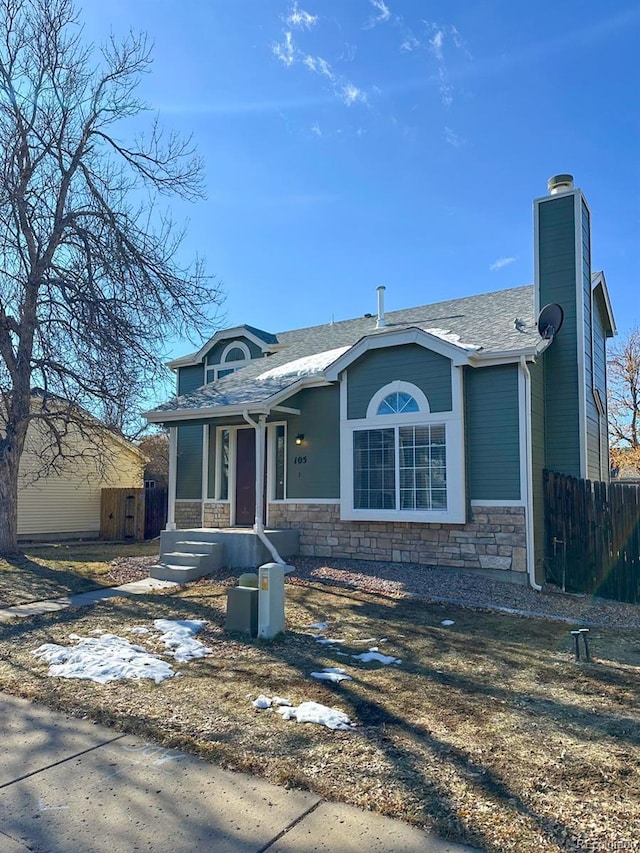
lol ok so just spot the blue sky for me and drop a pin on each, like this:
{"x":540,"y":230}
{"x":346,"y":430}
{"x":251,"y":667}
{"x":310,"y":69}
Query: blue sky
{"x":352,"y":143}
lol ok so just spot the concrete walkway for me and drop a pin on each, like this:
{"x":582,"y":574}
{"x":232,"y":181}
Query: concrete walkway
{"x":68,"y":786}
{"x":83,"y":599}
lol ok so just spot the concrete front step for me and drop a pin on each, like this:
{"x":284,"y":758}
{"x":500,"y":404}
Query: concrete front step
{"x":177,"y":574}
{"x":189,"y":561}
{"x":182,"y":558}
{"x":189,"y":547}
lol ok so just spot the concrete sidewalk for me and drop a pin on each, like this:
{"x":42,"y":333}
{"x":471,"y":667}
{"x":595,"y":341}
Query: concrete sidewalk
{"x":84,"y":599}
{"x":68,"y":786}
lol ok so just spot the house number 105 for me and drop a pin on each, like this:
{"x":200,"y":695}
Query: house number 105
{"x":300,"y":460}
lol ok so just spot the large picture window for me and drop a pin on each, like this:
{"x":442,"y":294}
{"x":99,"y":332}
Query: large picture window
{"x":405,"y":459}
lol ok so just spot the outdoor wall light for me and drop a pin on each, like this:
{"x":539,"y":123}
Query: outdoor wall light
{"x":299,"y":438}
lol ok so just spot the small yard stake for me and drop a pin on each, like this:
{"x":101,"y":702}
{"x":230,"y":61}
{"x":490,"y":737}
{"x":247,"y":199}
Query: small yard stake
{"x":576,"y":637}
{"x":584,"y":632}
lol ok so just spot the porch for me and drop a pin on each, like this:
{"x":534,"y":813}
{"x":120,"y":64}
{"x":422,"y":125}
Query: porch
{"x":188,"y":554}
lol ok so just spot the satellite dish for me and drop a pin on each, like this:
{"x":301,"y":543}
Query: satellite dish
{"x":550,"y":321}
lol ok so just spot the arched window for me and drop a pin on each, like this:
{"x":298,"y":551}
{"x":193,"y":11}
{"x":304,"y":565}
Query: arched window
{"x":234,"y":356}
{"x":397,"y":403}
{"x":400,"y":455}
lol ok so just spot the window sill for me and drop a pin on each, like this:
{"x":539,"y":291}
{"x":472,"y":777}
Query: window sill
{"x":416,"y":517}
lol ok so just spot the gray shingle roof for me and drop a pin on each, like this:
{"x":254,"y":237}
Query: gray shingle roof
{"x":486,"y":323}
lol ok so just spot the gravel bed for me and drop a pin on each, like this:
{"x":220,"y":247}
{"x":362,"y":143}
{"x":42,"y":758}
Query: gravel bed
{"x":467,"y":588}
{"x":452,"y":586}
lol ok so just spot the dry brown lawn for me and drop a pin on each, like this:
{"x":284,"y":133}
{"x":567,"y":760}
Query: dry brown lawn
{"x":53,"y":571}
{"x":488,"y":733}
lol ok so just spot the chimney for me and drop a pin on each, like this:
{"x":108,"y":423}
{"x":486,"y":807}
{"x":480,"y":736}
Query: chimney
{"x":380,"y":321}
{"x":560,"y":184}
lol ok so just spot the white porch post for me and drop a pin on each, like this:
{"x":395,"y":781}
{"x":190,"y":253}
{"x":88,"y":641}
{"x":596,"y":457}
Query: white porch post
{"x":173,"y":468}
{"x":260,"y":442}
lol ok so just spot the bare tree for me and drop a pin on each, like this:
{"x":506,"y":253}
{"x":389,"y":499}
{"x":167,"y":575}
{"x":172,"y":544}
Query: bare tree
{"x":624,"y":401}
{"x":91,"y":284}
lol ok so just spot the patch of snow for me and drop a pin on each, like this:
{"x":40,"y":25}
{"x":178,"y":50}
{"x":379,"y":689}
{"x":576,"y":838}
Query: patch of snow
{"x":138,"y":630}
{"x":304,"y":366}
{"x":263,"y":702}
{"x":328,"y":674}
{"x":450,"y":337}
{"x":314,"y":712}
{"x":108,"y":657}
{"x":319,"y":626}
{"x":447,"y":622}
{"x":367,"y":657}
{"x":103,"y":659}
{"x":178,"y":638}
{"x":324,"y":641}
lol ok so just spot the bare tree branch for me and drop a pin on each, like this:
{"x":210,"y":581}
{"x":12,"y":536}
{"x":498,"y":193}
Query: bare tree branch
{"x":91,"y":279}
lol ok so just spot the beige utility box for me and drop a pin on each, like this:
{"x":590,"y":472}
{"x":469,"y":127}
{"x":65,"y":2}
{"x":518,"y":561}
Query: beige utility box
{"x":271,"y":599}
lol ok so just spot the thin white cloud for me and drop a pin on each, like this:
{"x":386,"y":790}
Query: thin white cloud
{"x":500,"y":263}
{"x":300,"y":19}
{"x":445,"y":87}
{"x":454,"y":139}
{"x":285,"y":51}
{"x":315,"y":129}
{"x":410,"y":43}
{"x":384,"y":13}
{"x":351,"y":94}
{"x":436,"y":43}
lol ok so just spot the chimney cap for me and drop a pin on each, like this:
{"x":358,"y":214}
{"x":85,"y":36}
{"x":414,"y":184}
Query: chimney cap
{"x":560,"y":183}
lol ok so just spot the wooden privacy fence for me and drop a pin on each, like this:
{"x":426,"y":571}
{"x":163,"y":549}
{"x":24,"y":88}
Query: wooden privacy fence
{"x":122,"y":514}
{"x":592,"y":536}
{"x":155,"y":512}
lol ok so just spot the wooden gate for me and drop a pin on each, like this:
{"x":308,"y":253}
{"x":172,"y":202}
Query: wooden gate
{"x":592,"y":536}
{"x":122,"y":514}
{"x":155,"y":512}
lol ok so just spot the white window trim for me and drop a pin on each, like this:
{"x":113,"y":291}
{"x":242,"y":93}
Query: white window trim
{"x":223,"y":365}
{"x":271,"y":461}
{"x":399,"y":387}
{"x":454,"y":433}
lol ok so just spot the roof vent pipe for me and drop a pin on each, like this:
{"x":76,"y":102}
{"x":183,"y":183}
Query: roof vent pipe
{"x":381,"y":322}
{"x":560,"y":184}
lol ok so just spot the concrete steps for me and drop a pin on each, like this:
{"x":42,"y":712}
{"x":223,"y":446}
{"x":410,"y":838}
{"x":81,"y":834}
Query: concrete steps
{"x":190,"y":561}
{"x":187,"y":555}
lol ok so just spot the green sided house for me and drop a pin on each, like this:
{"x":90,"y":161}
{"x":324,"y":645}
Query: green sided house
{"x":418,"y":435}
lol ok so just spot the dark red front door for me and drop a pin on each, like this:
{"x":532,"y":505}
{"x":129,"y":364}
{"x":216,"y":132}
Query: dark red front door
{"x":245,"y":477}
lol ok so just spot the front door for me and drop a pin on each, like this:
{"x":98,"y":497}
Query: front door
{"x":245,"y":477}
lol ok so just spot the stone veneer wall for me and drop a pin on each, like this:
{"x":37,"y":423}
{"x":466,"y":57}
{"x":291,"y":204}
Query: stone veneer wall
{"x":188,"y":514}
{"x":493,"y":538}
{"x":217,"y":514}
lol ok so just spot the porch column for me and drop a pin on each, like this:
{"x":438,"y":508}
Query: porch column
{"x":260,"y":442}
{"x":173,"y":468}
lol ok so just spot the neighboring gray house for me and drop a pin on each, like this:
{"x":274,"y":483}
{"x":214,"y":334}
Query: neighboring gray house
{"x":419,"y":435}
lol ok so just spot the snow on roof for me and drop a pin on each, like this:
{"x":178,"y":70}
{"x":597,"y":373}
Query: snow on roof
{"x":304,"y":366}
{"x":451,"y":337}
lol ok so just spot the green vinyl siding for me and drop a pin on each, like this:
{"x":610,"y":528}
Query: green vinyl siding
{"x":600,"y":371}
{"x":492,"y":433}
{"x":430,"y":371}
{"x":313,"y":468}
{"x":189,"y":469}
{"x":215,"y":353}
{"x":537,"y":459}
{"x":190,"y":378}
{"x":557,"y":265}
